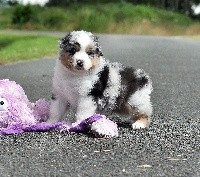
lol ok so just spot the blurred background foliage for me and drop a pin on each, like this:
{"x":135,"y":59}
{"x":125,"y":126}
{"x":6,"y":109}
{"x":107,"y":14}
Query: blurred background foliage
{"x":161,"y":17}
{"x":138,"y":17}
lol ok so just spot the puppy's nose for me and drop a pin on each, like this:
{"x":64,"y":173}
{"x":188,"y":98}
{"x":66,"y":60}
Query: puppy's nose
{"x":79,"y":63}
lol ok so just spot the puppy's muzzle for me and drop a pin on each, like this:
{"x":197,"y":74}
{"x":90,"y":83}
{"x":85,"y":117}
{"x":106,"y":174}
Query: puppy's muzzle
{"x":79,"y":64}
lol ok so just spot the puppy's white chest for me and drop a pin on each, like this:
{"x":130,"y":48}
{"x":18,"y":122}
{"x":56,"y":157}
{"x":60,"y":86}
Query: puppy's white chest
{"x":70,"y":91}
{"x":72,"y":88}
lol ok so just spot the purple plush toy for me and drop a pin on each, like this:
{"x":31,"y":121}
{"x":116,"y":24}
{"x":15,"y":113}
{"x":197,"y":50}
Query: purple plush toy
{"x":18,"y":115}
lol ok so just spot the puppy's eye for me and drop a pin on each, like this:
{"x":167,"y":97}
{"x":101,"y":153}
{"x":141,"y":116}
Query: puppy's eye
{"x":90,"y":52}
{"x":72,"y":50}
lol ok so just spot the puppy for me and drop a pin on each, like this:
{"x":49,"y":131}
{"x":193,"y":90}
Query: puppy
{"x":85,"y":81}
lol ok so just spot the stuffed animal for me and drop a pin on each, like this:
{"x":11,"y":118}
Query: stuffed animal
{"x":18,"y":115}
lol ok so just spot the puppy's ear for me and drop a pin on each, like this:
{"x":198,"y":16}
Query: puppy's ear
{"x":99,"y":52}
{"x":65,"y":41}
{"x":98,"y":47}
{"x":95,"y":38}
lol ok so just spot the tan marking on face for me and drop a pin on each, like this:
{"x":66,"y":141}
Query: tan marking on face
{"x":66,"y":60}
{"x":94,"y":58}
{"x":95,"y":61}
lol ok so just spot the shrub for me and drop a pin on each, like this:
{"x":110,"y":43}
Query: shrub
{"x":92,"y":19}
{"x":54,"y":18}
{"x":23,"y":14}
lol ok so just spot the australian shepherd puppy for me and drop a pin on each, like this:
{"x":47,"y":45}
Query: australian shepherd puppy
{"x":88,"y":83}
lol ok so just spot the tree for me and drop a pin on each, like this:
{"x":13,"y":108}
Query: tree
{"x":13,"y":2}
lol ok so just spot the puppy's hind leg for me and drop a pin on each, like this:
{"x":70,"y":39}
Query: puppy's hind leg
{"x":141,"y":109}
{"x":139,"y":119}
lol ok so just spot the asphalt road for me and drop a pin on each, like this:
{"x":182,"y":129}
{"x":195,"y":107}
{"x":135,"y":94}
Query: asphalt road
{"x":171,"y":145}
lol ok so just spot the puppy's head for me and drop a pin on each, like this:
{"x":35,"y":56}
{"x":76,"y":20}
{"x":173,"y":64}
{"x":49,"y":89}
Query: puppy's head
{"x":80,"y":51}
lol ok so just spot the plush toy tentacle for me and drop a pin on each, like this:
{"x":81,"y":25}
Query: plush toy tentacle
{"x":43,"y":127}
{"x":41,"y":110}
{"x":85,"y":125}
{"x":14,"y":129}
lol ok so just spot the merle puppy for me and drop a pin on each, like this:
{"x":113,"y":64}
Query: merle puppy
{"x":85,"y":81}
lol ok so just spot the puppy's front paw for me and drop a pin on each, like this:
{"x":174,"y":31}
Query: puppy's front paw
{"x":104,"y":128}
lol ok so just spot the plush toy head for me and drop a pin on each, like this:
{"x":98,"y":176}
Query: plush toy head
{"x":12,"y":88}
{"x":15,"y":107}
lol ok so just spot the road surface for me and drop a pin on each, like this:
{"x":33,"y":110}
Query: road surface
{"x":171,"y":145}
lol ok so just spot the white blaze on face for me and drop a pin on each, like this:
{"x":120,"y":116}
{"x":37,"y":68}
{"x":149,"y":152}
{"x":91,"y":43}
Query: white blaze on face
{"x":85,"y":40}
{"x":82,"y":55}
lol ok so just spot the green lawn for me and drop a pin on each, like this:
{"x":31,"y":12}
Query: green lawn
{"x":23,"y":47}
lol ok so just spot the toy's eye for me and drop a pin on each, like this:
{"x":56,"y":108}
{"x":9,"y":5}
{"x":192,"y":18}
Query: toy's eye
{"x":3,"y":104}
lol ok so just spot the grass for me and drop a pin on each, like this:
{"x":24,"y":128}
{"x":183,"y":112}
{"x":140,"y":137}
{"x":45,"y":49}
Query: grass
{"x":105,"y":18}
{"x":23,"y":47}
